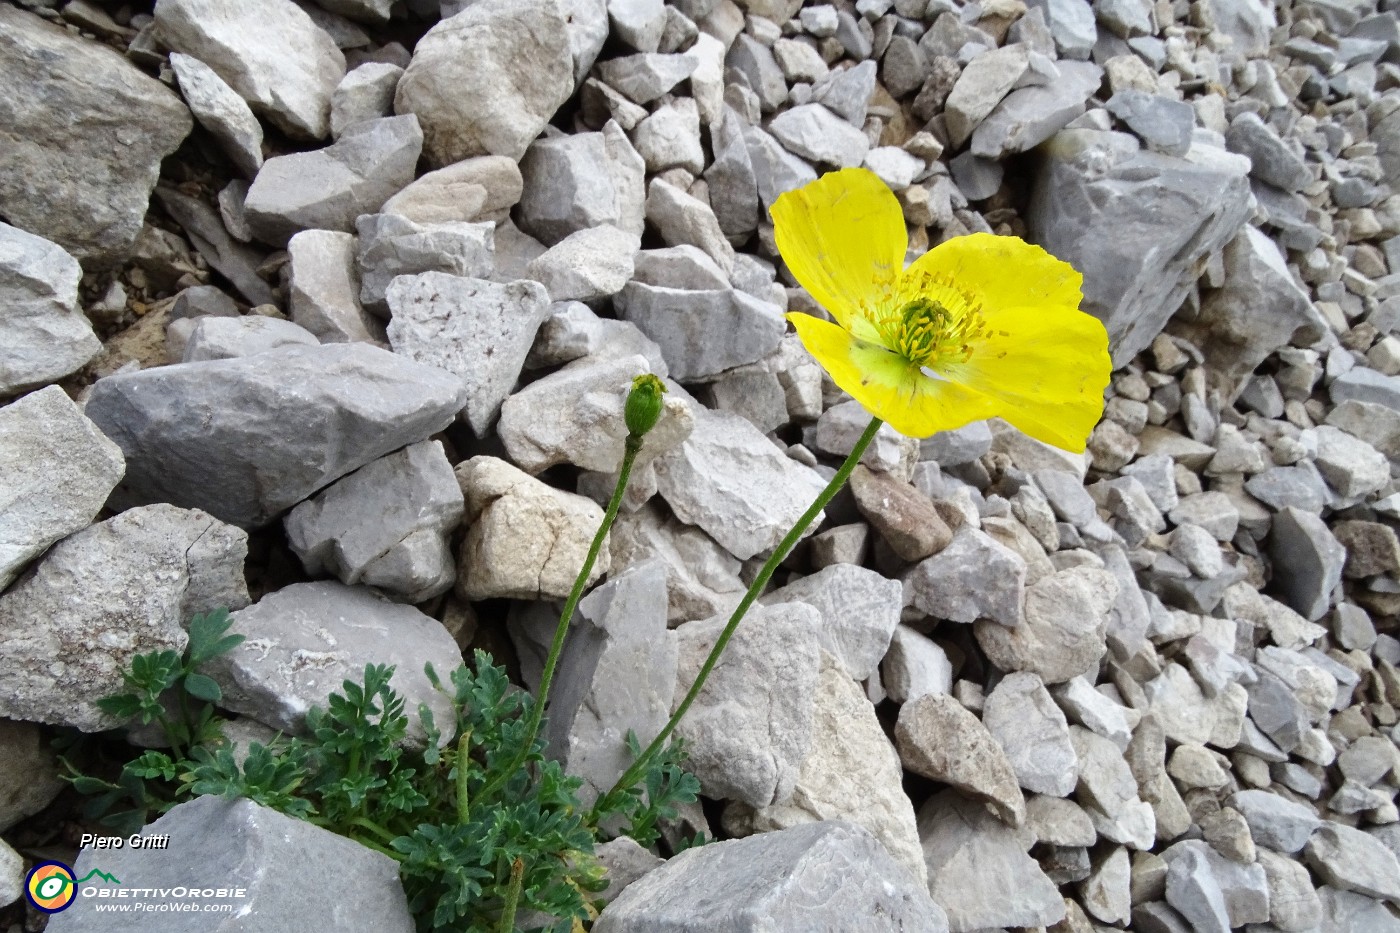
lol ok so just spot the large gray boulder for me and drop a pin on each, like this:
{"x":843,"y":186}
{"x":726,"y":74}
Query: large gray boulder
{"x":305,"y":640}
{"x":83,"y":131}
{"x":821,"y":876}
{"x":1135,"y":223}
{"x":270,"y":429}
{"x":272,"y":53}
{"x":294,"y":876}
{"x":487,"y":80}
{"x":123,"y":587}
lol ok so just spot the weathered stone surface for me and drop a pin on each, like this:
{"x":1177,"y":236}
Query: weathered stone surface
{"x":114,"y":590}
{"x":586,"y":265}
{"x":859,"y":609}
{"x":1293,"y":904}
{"x":565,"y":191}
{"x":1020,"y":714}
{"x":255,"y":848}
{"x":915,"y":665}
{"x":59,"y":470}
{"x":365,"y":93}
{"x":227,"y":338}
{"x":1028,"y":116}
{"x":732,"y":482}
{"x":487,"y":80}
{"x":82,"y":181}
{"x":681,"y":218}
{"x":221,"y":111}
{"x":766,"y":882}
{"x":1162,"y":123}
{"x":904,"y":517}
{"x":1135,"y":223}
{"x":1212,"y":892}
{"x":1351,"y":466}
{"x":324,"y":289}
{"x":575,"y":416}
{"x":702,"y":578}
{"x":326,"y":189}
{"x":476,"y":330}
{"x":646,"y":76}
{"x":1352,"y":860}
{"x":1258,"y":309}
{"x":305,"y":640}
{"x":44,"y":335}
{"x":526,"y":540}
{"x":283,"y":64}
{"x":974,"y":577}
{"x":572,"y":331}
{"x":338,"y":407}
{"x":814,"y":132}
{"x":939,"y":739}
{"x":477,"y":189}
{"x":1275,"y":821}
{"x":1062,"y":634}
{"x":391,"y":246}
{"x":617,"y":673}
{"x":29,"y":772}
{"x":981,"y":86}
{"x":1274,"y":162}
{"x":385,"y":525}
{"x":851,"y":773}
{"x":702,"y":333}
{"x":1308,"y":560}
{"x":969,"y":854}
{"x":751,"y":726}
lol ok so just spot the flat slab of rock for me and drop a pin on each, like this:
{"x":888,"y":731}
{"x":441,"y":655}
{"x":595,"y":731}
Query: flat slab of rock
{"x":527,"y":540}
{"x":283,"y":64}
{"x":1351,"y":860}
{"x":59,"y":470}
{"x":326,"y":189}
{"x":305,"y":640}
{"x":478,"y":331}
{"x":487,"y":80}
{"x":83,"y":181}
{"x":766,"y":882}
{"x":114,"y":590}
{"x":240,"y":844}
{"x":221,"y":111}
{"x":750,"y":727}
{"x":731,"y":481}
{"x":702,"y":333}
{"x":1023,"y":718}
{"x":272,"y":428}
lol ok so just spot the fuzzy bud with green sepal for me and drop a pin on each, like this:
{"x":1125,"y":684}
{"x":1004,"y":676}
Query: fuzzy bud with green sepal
{"x":644,"y":404}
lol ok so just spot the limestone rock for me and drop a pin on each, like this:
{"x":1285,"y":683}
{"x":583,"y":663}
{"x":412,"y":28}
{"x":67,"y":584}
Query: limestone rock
{"x":764,"y":882}
{"x":122,"y":587}
{"x":939,"y":739}
{"x":282,"y":63}
{"x":974,"y":577}
{"x":526,"y":540}
{"x":1023,"y":718}
{"x":385,"y":525}
{"x":221,"y":111}
{"x":478,"y":331}
{"x":859,"y":608}
{"x":476,"y":189}
{"x":1062,"y":634}
{"x":752,"y":724}
{"x":305,"y":640}
{"x":84,"y":180}
{"x":43,"y":334}
{"x":487,"y":80}
{"x":338,"y":406}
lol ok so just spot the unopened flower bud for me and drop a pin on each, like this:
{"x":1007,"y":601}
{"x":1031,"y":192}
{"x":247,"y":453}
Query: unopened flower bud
{"x":644,"y":404}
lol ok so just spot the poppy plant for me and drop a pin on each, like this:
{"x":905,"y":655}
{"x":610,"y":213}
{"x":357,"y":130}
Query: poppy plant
{"x":980,"y":326}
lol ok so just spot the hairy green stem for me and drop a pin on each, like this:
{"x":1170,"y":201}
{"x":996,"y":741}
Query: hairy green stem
{"x":634,"y":774}
{"x":463,"y":761}
{"x":517,"y":880}
{"x":634,"y":445}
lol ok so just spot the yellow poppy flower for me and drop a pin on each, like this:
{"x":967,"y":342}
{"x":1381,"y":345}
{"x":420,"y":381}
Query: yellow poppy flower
{"x":977,"y":327}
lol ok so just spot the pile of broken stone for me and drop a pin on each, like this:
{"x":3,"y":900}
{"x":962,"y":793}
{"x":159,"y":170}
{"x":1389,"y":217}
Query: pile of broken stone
{"x":1151,"y":686}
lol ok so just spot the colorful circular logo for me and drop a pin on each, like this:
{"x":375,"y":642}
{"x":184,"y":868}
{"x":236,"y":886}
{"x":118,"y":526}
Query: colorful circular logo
{"x":50,"y":887}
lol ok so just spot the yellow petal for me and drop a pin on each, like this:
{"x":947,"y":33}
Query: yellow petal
{"x":889,"y":386}
{"x":996,"y":273}
{"x":1046,"y":368}
{"x":843,"y":237}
